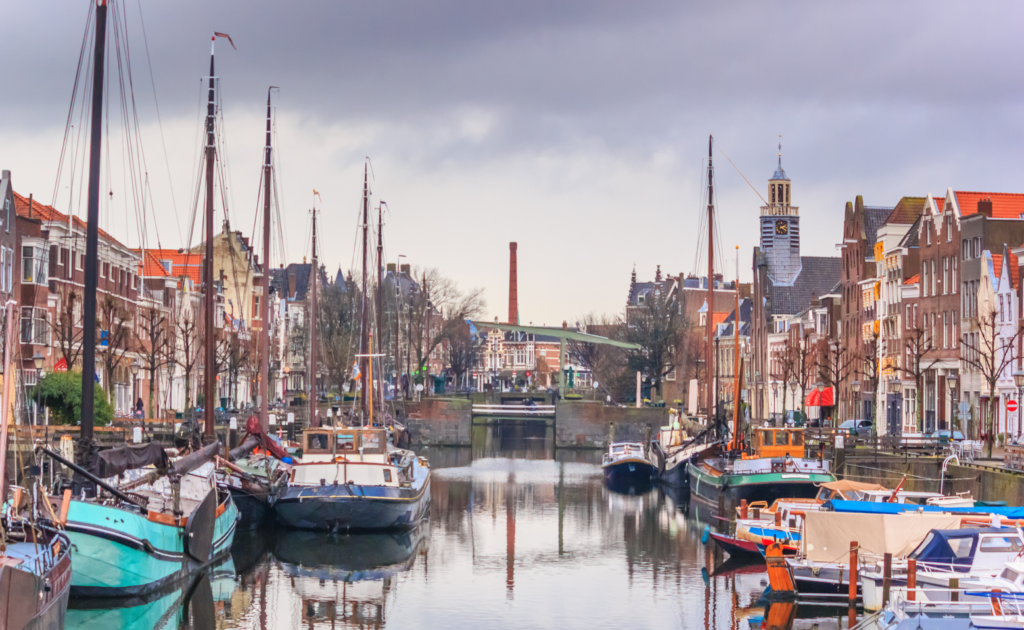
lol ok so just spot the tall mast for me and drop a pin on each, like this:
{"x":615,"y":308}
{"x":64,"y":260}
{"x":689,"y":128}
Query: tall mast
{"x":265,"y":287}
{"x":709,"y":321}
{"x":92,"y":233}
{"x":380,"y":281}
{"x":364,"y":337}
{"x":209,"y":297}
{"x":736,"y":360}
{"x":314,"y":420}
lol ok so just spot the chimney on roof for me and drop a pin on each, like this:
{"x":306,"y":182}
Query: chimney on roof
{"x":391,"y":267}
{"x":30,"y":205}
{"x":291,"y":283}
{"x":565,"y":325}
{"x":985,"y":207}
{"x":513,"y":289}
{"x":404,"y":269}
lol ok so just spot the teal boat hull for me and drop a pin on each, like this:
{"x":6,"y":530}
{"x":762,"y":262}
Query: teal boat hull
{"x":117,"y":552}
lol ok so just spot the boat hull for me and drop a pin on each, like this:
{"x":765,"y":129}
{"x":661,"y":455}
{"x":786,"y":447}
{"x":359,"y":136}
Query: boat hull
{"x":736,"y":547}
{"x":755,"y":487}
{"x":120,"y":553}
{"x":631,"y":470}
{"x":37,"y":600}
{"x":254,"y":511}
{"x":351,"y":507}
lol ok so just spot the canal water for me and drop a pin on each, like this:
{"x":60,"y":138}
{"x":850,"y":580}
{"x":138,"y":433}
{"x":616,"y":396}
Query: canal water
{"x":520,"y":536}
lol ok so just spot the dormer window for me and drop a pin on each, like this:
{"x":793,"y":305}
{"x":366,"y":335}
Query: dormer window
{"x":166,"y":264}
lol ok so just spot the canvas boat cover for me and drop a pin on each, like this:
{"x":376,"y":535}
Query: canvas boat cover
{"x":953,"y":548}
{"x":845,"y":485}
{"x":896,"y":508}
{"x":113,"y":462}
{"x":827,"y":535}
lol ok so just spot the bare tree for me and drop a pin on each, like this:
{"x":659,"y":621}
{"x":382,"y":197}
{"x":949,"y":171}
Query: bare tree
{"x":155,"y":349}
{"x":436,"y":310}
{"x":463,"y":350}
{"x":608,"y":364}
{"x":339,"y":331}
{"x":796,"y":364}
{"x":68,"y":330}
{"x":990,"y":354}
{"x":917,"y":348}
{"x":656,"y":327}
{"x":116,"y":320}
{"x":833,"y":363}
{"x":188,"y":352}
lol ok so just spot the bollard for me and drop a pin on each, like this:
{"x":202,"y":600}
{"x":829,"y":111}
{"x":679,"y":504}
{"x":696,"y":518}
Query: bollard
{"x":611,"y":433}
{"x":886,"y":578}
{"x":232,"y":433}
{"x":853,"y":572}
{"x":911,"y":580}
{"x":954,"y":586}
{"x":743,"y":509}
{"x":137,"y":435}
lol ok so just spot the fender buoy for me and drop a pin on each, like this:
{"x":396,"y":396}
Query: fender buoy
{"x":705,"y":535}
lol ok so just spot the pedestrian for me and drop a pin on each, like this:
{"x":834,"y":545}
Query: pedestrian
{"x":140,"y":409}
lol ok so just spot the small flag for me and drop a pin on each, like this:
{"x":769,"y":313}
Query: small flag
{"x":216,"y":34}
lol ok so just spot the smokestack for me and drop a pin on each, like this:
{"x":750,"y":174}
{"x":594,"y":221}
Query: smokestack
{"x":513,"y":289}
{"x":985,"y":207}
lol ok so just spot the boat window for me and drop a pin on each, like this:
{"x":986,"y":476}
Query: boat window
{"x":371,"y":442}
{"x":1001,"y":544}
{"x":346,"y":442}
{"x":924,"y":545}
{"x":766,"y":438}
{"x":781,"y":438}
{"x":317,"y":442}
{"x":1009,"y":574}
{"x":824,"y":494}
{"x":961,"y":547}
{"x":796,"y":438}
{"x":387,"y":475}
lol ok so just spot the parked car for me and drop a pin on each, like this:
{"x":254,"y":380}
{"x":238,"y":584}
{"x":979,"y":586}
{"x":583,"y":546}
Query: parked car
{"x":952,"y":436}
{"x":856,"y":427}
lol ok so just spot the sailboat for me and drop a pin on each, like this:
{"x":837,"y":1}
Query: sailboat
{"x":141,"y":521}
{"x":352,"y":478}
{"x":35,"y":560}
{"x":775,"y":465}
{"x":255,"y":478}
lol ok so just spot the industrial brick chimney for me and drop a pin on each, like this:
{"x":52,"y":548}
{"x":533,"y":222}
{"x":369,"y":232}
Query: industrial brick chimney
{"x":513,"y":289}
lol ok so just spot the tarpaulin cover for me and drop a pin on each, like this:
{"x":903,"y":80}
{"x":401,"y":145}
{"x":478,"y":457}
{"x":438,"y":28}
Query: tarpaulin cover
{"x":952,"y":548}
{"x":253,"y":428}
{"x":845,"y":485}
{"x":869,"y":507}
{"x":113,"y":462}
{"x":827,"y":535}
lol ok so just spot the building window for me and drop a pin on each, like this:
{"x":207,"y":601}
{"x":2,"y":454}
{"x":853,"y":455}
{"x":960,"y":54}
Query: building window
{"x":933,"y":279}
{"x":949,"y":229}
{"x":35,"y":264}
{"x":976,"y":248}
{"x":104,"y":270}
{"x":952,"y":284}
{"x":35,"y":326}
{"x":906,"y":324}
{"x":965,"y":249}
{"x":80,"y":259}
{"x":945,"y":329}
{"x":945,"y":275}
{"x":166,"y":264}
{"x":927,"y":234}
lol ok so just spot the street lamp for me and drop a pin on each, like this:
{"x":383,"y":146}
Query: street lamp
{"x":760,"y":397}
{"x":38,"y":361}
{"x":1018,"y":379}
{"x":792,"y":391}
{"x":951,"y":381}
{"x":855,"y":388}
{"x":135,"y":380}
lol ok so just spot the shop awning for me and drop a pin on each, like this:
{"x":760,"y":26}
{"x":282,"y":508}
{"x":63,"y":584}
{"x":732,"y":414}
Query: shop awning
{"x":824,"y":398}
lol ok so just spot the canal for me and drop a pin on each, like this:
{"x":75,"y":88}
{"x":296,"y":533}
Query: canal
{"x":520,"y":536}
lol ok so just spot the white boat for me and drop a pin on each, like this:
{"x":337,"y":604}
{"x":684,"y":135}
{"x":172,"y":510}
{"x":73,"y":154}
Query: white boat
{"x":628,"y":462}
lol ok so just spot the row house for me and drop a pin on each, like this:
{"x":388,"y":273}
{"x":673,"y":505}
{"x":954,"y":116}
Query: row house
{"x":894,"y":268}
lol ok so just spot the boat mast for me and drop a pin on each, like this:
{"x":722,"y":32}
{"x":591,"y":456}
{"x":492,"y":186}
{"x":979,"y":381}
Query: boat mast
{"x":364,"y":336}
{"x":265,"y":287}
{"x":209,"y":290}
{"x":92,"y":233}
{"x":5,"y":414}
{"x":709,"y":320}
{"x":314,"y":420}
{"x":380,"y":281}
{"x":736,"y":360}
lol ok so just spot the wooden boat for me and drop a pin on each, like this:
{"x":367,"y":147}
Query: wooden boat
{"x":628,"y":462}
{"x":778,"y":469}
{"x":352,"y":479}
{"x":254,"y":473}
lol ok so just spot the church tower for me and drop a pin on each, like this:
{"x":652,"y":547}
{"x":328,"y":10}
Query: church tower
{"x":780,"y":229}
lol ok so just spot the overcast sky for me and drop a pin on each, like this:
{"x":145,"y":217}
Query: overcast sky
{"x":576,"y":128}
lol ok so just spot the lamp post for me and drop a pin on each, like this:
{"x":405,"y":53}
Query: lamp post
{"x":170,"y":384}
{"x":952,"y":380}
{"x":792,"y":391}
{"x":775,"y":399}
{"x":38,"y":361}
{"x":1018,"y":380}
{"x":760,"y":398}
{"x":855,"y":388}
{"x":135,"y":382}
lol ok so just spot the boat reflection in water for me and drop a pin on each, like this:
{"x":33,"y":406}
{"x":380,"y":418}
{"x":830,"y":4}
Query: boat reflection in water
{"x":196,"y":602}
{"x":346,"y":578}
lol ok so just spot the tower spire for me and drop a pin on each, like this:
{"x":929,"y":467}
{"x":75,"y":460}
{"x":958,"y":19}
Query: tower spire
{"x":780,"y":151}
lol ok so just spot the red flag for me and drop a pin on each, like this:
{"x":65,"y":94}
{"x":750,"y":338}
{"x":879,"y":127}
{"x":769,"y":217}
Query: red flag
{"x":216,"y":34}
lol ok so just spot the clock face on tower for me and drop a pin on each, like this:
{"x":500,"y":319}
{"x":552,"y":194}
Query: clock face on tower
{"x":781,"y":227}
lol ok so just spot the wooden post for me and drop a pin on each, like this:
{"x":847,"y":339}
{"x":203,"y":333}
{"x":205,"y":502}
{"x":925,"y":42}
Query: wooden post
{"x":954,"y":586}
{"x":778,"y":517}
{"x":854,"y":547}
{"x":743,"y":509}
{"x":233,"y":433}
{"x":911,"y":580}
{"x":886,"y":578}
{"x":757,"y":514}
{"x":65,"y":505}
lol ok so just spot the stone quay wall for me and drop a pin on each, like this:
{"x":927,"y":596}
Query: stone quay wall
{"x":439,"y":421}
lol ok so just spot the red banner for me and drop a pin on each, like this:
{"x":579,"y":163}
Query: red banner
{"x":61,"y":366}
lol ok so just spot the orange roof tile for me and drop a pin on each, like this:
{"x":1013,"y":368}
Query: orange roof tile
{"x":48,"y":213}
{"x":719,"y":318}
{"x":914,"y":279}
{"x":997,"y":264}
{"x":182,"y":263}
{"x":1004,"y":205}
{"x":152,"y":267}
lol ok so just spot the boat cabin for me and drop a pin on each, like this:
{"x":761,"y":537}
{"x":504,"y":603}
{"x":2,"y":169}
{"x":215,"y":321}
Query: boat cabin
{"x":778,"y":442}
{"x":977,"y":551}
{"x":344,"y":455}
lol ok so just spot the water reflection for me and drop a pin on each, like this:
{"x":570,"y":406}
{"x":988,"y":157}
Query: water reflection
{"x":519,"y":536}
